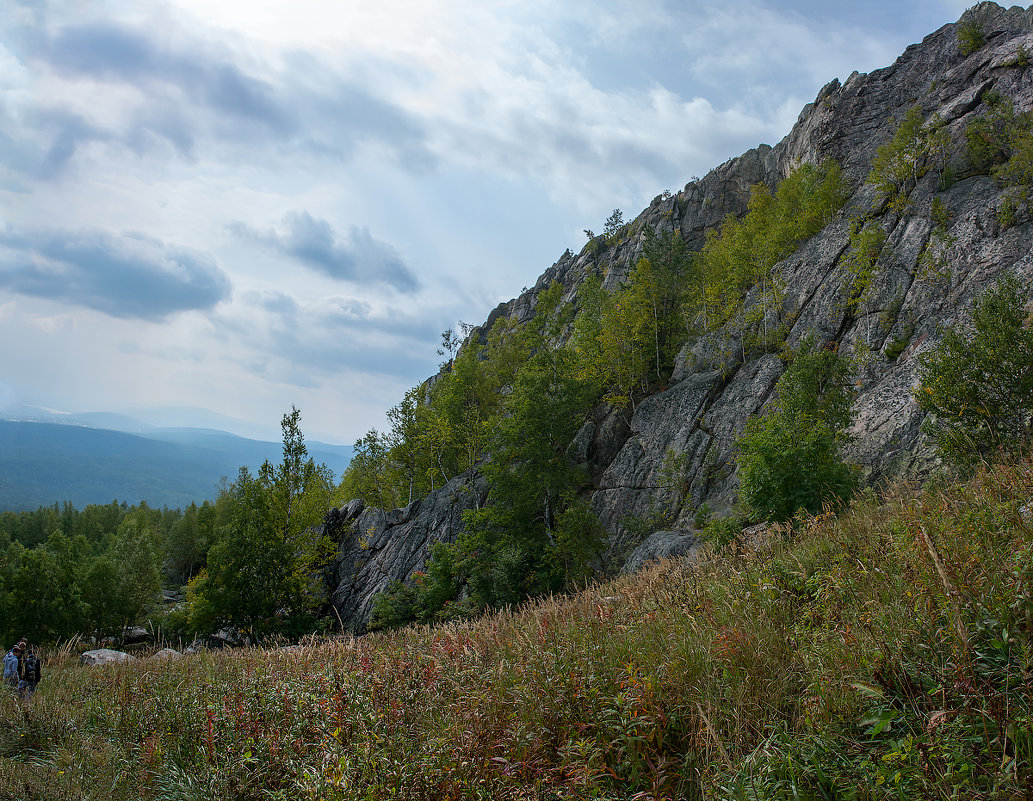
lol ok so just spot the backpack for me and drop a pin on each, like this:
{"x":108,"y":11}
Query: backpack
{"x":31,"y":667}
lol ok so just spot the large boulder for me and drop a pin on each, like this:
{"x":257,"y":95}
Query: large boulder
{"x":105,"y":656}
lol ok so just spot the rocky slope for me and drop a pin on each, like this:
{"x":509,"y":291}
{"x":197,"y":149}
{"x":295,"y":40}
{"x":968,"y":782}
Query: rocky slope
{"x":713,"y":389}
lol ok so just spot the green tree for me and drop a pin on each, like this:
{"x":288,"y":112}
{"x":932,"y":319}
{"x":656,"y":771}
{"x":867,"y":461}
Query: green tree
{"x":971,"y":37}
{"x":262,"y":573}
{"x":976,"y":386}
{"x":915,"y":147}
{"x":188,"y":541}
{"x":534,"y":535}
{"x":789,"y":458}
{"x":43,"y":599}
{"x":659,"y":281}
{"x":98,"y":581}
{"x":137,"y":555}
{"x":614,"y":225}
{"x":742,"y":254}
{"x":510,"y":548}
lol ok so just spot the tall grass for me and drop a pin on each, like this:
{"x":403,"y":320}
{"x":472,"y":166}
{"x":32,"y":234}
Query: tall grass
{"x":881,"y":654}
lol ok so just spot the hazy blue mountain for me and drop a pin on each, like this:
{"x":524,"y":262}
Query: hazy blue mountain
{"x":42,"y":463}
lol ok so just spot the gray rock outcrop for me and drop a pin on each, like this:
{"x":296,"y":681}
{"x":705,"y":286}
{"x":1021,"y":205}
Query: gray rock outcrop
{"x":662,"y":545}
{"x":105,"y":656}
{"x":377,"y":547}
{"x":924,"y":279}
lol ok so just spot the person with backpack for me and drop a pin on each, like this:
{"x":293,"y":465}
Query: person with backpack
{"x":12,"y":667}
{"x":30,"y":674}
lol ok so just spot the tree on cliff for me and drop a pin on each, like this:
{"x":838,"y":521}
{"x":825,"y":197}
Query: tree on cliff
{"x":261,"y":574}
{"x":789,"y":458}
{"x":976,"y":386}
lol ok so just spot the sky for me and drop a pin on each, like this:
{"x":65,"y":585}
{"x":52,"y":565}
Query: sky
{"x":212,"y":211}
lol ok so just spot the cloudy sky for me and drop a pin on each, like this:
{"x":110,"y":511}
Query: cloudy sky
{"x":225,"y":208}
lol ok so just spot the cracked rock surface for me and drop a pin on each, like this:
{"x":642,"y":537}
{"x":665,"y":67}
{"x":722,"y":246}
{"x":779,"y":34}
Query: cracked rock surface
{"x":715,"y":386}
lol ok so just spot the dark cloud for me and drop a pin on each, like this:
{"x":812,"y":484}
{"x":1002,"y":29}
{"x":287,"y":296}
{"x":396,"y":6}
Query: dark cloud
{"x":120,"y":54}
{"x":127,"y":276}
{"x":68,"y":132}
{"x":357,"y":257}
{"x":376,"y":349}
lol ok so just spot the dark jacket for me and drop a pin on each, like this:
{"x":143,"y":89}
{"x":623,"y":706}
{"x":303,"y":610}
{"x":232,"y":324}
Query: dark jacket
{"x":30,"y":668}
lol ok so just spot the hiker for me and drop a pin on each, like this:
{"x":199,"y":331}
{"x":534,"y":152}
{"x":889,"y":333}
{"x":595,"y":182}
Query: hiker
{"x":12,"y":667}
{"x":30,"y":674}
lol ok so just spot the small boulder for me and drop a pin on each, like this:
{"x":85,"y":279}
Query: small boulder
{"x":167,"y":653}
{"x":105,"y":656}
{"x":662,"y":545}
{"x":135,"y":634}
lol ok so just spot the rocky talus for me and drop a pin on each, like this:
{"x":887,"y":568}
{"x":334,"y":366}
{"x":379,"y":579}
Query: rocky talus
{"x":714,"y":389}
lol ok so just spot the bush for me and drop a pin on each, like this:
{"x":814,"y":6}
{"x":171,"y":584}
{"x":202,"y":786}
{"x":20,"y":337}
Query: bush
{"x":1000,"y":142}
{"x":789,"y":458}
{"x":897,"y":346}
{"x":971,"y":37}
{"x":900,"y":163}
{"x":976,"y":387}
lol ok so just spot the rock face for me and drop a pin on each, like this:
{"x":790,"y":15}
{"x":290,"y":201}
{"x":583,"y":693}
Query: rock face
{"x":380,"y":547}
{"x":662,"y":545}
{"x":692,"y":425}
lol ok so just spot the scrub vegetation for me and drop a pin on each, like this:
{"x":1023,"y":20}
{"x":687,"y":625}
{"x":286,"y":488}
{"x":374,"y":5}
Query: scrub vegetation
{"x":881,"y":653}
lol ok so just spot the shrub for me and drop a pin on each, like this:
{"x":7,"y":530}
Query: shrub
{"x":976,"y":387}
{"x":939,"y":214}
{"x":865,"y":246}
{"x":1022,"y":58}
{"x":1009,"y":211}
{"x":789,"y":458}
{"x":971,"y":37}
{"x":902,"y":161}
{"x":1000,"y":142}
{"x":897,"y":346}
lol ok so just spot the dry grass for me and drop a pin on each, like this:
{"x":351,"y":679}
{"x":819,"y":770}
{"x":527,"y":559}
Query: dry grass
{"x":881,"y":654}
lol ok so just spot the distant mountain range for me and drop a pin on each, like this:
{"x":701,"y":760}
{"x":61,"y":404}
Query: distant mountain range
{"x":44,"y":462}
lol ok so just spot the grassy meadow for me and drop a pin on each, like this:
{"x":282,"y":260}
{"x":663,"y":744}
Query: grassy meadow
{"x":883,"y":653}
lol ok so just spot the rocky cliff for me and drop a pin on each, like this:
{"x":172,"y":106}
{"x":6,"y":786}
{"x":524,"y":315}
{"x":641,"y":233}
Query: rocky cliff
{"x":714,"y":389}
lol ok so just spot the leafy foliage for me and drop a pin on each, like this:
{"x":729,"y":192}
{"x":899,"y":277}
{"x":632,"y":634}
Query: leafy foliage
{"x":971,"y":37}
{"x":1000,"y":141}
{"x":866,"y":243}
{"x":534,"y":535}
{"x":260,"y":574}
{"x":742,"y":254}
{"x":96,"y":571}
{"x":614,"y":226}
{"x":976,"y":386}
{"x":789,"y":457}
{"x":915,"y":147}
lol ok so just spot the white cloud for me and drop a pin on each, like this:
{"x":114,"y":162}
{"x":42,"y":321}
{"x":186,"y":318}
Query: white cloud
{"x":447,"y":148}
